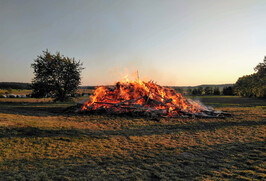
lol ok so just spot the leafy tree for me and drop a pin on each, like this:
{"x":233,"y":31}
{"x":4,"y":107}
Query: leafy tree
{"x":261,"y":67}
{"x":208,"y":90}
{"x":200,"y":91}
{"x":195,"y":91}
{"x":228,"y":90}
{"x":243,"y":86}
{"x":216,"y":91}
{"x":180,"y":90}
{"x":259,"y":88}
{"x":55,"y":75}
{"x":189,"y":91}
{"x":254,"y":84}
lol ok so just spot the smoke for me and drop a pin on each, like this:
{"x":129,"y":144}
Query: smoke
{"x":200,"y":105}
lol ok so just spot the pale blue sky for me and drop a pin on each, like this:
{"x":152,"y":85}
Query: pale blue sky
{"x":172,"y":42}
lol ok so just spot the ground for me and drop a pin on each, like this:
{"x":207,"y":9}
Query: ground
{"x":39,"y":141}
{"x":29,"y":91}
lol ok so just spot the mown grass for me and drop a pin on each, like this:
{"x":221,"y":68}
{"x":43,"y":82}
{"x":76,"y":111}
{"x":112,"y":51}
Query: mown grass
{"x":39,"y":141}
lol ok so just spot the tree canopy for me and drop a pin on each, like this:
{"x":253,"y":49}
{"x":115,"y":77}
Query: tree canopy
{"x":228,"y":91}
{"x":216,"y":91}
{"x":55,"y":75}
{"x":254,"y":84}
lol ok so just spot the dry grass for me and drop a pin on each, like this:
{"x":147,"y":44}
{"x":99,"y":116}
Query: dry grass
{"x":40,"y":142}
{"x":27,"y":91}
{"x":16,"y":91}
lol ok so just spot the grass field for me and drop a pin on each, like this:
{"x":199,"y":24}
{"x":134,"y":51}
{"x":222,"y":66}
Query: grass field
{"x":27,"y":91}
{"x":16,"y":91}
{"x":38,"y":141}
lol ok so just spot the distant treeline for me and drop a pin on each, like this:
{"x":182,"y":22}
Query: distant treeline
{"x":253,"y":85}
{"x":86,"y":87}
{"x":14,"y":85}
{"x":206,"y":90}
{"x":222,"y":89}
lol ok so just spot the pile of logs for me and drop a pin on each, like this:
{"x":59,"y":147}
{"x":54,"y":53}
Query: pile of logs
{"x":145,"y":99}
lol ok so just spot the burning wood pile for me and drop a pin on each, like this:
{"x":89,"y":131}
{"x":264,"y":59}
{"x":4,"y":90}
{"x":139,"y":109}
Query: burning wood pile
{"x":139,"y":98}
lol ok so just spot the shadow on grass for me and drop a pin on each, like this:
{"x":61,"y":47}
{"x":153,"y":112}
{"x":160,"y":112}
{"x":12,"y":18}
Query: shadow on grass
{"x":34,"y":109}
{"x":140,"y":131}
{"x":227,"y":161}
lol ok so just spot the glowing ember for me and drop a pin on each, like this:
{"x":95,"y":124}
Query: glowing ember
{"x":144,"y":98}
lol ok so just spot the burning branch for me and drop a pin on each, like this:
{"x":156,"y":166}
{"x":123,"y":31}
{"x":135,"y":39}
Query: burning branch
{"x":144,"y":98}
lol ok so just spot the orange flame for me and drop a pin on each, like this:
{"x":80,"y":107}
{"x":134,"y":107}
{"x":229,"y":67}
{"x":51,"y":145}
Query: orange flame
{"x":139,"y":95}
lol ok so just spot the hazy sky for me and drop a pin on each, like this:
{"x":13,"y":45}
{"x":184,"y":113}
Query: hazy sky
{"x":171,"y":42}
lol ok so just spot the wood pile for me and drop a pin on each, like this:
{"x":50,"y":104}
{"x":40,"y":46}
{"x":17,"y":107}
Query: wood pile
{"x":139,"y":98}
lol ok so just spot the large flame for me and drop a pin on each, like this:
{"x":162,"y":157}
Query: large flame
{"x":139,"y":96}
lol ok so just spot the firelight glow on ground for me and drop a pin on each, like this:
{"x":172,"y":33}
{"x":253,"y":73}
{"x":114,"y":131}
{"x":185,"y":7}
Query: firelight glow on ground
{"x":173,"y":42}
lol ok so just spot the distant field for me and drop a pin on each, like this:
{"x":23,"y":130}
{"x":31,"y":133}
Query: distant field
{"x":16,"y":91}
{"x":231,"y":101}
{"x":35,"y":100}
{"x":88,"y":91}
{"x":38,"y":141}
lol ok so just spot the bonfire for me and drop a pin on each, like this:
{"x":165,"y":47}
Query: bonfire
{"x":145,"y":99}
